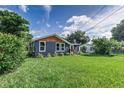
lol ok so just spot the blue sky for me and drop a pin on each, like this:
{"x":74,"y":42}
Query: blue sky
{"x":63,"y":20}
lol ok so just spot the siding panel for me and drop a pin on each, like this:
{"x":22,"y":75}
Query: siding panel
{"x":50,"y":48}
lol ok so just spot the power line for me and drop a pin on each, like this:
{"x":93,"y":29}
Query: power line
{"x":95,"y":14}
{"x":99,"y":10}
{"x":104,"y":18}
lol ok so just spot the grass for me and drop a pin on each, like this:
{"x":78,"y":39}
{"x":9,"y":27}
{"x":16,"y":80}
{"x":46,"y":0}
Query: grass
{"x":68,"y":71}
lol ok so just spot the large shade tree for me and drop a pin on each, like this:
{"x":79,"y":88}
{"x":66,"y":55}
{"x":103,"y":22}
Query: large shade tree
{"x":118,"y":31}
{"x":12,"y":23}
{"x":78,"y":37}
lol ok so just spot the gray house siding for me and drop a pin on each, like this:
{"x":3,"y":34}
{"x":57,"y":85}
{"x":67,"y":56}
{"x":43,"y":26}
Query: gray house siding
{"x":50,"y":48}
{"x":67,"y":48}
{"x":36,"y":47}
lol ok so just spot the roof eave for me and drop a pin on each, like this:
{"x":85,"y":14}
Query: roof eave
{"x":53,"y":35}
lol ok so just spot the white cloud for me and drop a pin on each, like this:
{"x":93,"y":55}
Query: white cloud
{"x":24,"y":8}
{"x":48,"y":9}
{"x":60,"y":26}
{"x":78,"y":20}
{"x":103,"y":29}
{"x":38,"y":33}
{"x":48,"y":25}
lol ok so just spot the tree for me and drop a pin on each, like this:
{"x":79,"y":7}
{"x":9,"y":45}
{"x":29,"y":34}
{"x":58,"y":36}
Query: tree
{"x":118,"y":47}
{"x":78,"y":37}
{"x":11,"y":22}
{"x":118,"y":31}
{"x":103,"y":46}
{"x":14,"y":38}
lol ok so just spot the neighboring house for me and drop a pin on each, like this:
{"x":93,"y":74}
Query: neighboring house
{"x":52,"y":44}
{"x":88,"y":48}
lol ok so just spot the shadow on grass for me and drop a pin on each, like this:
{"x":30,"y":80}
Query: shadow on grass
{"x":12,"y":70}
{"x":98,"y":55}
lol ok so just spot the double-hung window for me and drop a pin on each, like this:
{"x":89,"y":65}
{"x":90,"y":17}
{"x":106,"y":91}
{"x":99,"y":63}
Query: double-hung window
{"x":42,"y":47}
{"x":60,"y":47}
{"x":57,"y":47}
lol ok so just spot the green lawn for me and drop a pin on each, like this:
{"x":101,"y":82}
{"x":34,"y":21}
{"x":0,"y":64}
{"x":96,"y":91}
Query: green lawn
{"x":68,"y":71}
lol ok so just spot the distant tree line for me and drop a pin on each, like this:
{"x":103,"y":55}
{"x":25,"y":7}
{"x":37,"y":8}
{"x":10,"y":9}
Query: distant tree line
{"x":102,"y":45}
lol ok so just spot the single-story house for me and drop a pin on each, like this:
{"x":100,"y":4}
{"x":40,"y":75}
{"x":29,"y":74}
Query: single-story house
{"x":52,"y":44}
{"x":88,"y":48}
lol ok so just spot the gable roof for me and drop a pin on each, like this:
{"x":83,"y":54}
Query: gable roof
{"x":55,"y":36}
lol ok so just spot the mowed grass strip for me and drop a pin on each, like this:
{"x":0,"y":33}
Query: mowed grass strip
{"x":67,"y":72}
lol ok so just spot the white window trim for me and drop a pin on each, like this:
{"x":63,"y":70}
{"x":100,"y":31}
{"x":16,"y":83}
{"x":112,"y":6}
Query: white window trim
{"x":44,"y":47}
{"x":60,"y":47}
{"x":64,"y":47}
{"x":56,"y":47}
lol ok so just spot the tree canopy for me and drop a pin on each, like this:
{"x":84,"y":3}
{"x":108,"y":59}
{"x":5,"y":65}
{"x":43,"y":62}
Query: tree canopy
{"x":11,"y":22}
{"x":118,"y":31}
{"x":103,"y":45}
{"x":78,"y":37}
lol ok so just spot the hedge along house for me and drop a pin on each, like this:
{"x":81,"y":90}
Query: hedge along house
{"x":53,"y":44}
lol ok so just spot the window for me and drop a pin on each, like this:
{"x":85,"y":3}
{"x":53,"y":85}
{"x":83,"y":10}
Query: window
{"x":91,"y":48}
{"x":57,"y":46}
{"x":60,"y":47}
{"x":42,"y":46}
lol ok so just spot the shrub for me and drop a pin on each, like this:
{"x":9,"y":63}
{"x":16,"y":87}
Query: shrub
{"x":83,"y":49}
{"x":67,"y":54}
{"x":81,"y":53}
{"x":49,"y":55}
{"x":31,"y":54}
{"x":61,"y":54}
{"x":12,"y":52}
{"x":56,"y":54}
{"x":71,"y":53}
{"x":103,"y":46}
{"x":40,"y":56}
